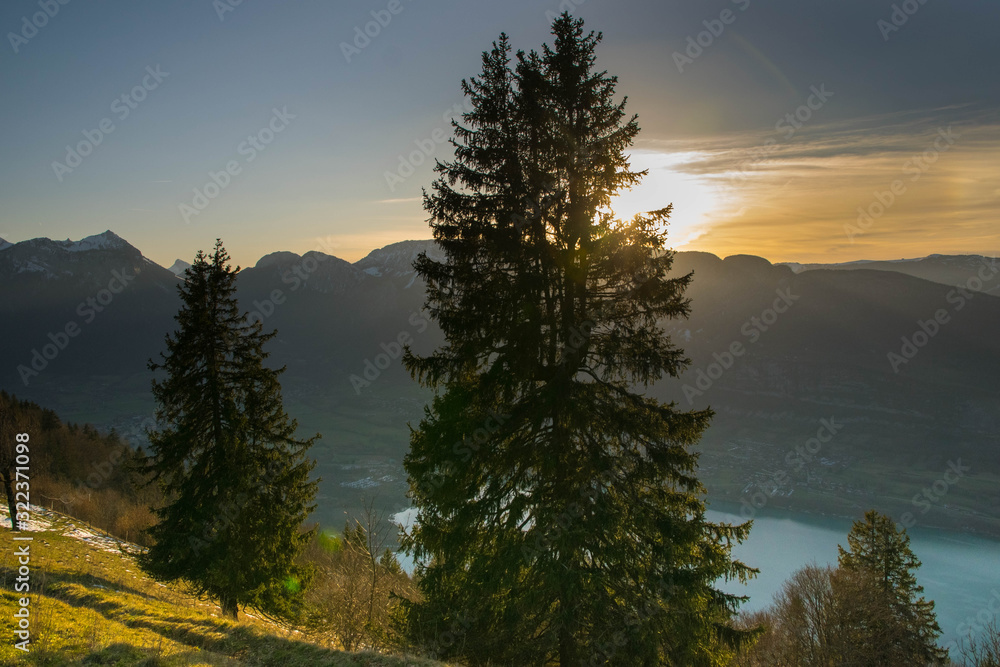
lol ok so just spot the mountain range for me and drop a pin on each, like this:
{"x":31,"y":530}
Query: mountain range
{"x":945,"y":269}
{"x":836,"y":388}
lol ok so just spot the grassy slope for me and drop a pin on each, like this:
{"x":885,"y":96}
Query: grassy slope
{"x":91,"y":605}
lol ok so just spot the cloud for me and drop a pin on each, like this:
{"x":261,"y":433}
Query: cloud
{"x":405,"y":200}
{"x":799,"y":198}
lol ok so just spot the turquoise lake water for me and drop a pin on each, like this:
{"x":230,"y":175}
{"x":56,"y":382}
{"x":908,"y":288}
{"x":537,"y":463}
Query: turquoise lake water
{"x":960,"y":572}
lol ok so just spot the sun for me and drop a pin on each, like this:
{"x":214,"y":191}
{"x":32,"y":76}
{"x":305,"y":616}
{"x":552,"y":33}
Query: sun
{"x":696,"y":198}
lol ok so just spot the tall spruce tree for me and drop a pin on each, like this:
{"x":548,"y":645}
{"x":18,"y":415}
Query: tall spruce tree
{"x":907,"y":630}
{"x":560,"y":518}
{"x":226,"y":456}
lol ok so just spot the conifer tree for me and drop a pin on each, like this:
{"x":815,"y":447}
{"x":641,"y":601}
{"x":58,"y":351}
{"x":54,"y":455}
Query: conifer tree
{"x":909,"y":635}
{"x":226,"y":456}
{"x":560,"y":517}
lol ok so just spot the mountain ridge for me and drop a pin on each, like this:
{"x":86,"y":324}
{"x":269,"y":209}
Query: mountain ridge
{"x":907,"y":364}
{"x":954,"y":270}
{"x":395,"y":259}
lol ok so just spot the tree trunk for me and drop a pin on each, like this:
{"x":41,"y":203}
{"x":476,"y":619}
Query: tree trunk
{"x":567,"y":647}
{"x":229,"y":607}
{"x":8,"y":486}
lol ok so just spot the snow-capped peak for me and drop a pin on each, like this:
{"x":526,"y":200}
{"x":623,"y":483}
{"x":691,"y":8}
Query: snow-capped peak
{"x":106,"y":241}
{"x":58,"y":259}
{"x":397,"y":259}
{"x":179,"y":267}
{"x":5,"y":244}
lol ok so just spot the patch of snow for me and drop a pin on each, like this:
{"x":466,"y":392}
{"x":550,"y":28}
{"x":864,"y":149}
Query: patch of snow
{"x":96,"y":540}
{"x":32,"y":267}
{"x":39,"y":519}
{"x":366,"y":483}
{"x":396,"y":259}
{"x":106,"y":241}
{"x":43,"y":520}
{"x":179,"y":267}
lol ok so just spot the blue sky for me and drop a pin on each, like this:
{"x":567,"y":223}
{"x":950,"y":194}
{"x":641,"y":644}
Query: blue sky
{"x":709,"y":123}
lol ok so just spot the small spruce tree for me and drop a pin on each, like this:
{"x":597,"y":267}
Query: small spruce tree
{"x":235,"y":477}
{"x":907,"y":629}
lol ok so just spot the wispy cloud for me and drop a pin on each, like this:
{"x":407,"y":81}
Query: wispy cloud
{"x":405,"y":200}
{"x":802,"y":198}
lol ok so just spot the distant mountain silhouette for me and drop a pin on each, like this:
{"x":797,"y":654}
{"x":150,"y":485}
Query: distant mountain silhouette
{"x":119,"y":299}
{"x":955,"y":270}
{"x":814,"y":343}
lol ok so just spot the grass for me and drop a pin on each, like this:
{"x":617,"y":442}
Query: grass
{"x":93,"y":606}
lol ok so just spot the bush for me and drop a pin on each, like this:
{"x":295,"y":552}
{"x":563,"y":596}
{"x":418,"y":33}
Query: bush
{"x":354,"y":596}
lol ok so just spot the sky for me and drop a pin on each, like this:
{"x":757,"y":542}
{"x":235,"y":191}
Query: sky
{"x":797,"y":130}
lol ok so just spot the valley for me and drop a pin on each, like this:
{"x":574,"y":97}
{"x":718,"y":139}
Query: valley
{"x":820,"y":358}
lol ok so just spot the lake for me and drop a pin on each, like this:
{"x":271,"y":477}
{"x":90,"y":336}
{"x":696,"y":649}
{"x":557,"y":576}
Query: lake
{"x":960,"y":572}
